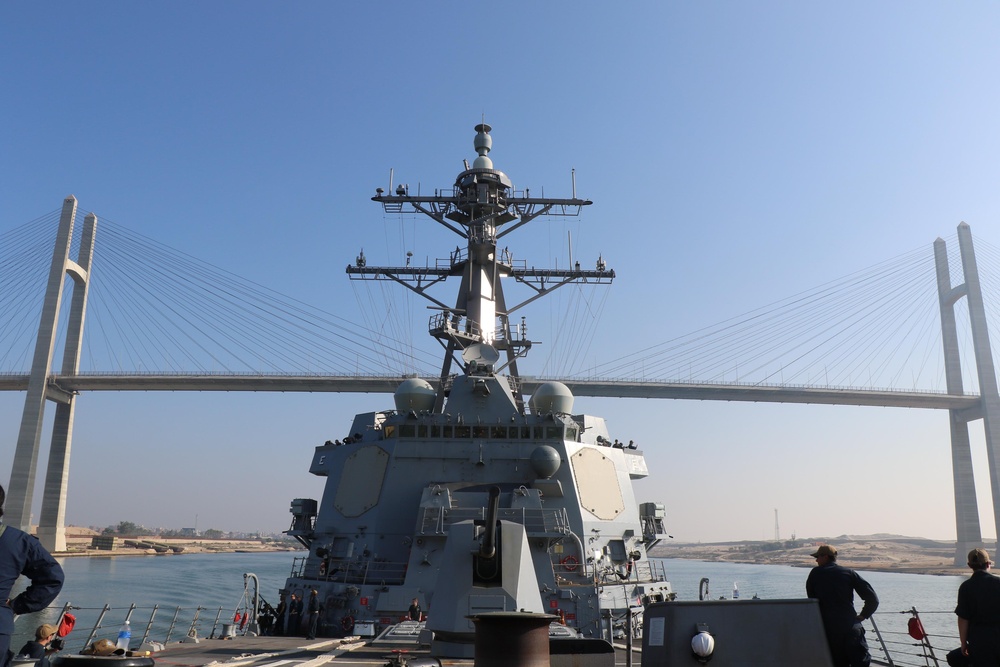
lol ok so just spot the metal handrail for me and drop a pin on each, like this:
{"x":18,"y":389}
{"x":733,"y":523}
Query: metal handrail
{"x":95,"y":623}
{"x":881,"y":641}
{"x":908,"y":650}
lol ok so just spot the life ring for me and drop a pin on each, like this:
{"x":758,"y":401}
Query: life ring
{"x":570,"y":563}
{"x":347,"y":623}
{"x":322,"y":568}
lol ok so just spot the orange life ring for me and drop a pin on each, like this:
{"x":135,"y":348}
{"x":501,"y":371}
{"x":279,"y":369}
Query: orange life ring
{"x":570,"y":563}
{"x":347,"y":623}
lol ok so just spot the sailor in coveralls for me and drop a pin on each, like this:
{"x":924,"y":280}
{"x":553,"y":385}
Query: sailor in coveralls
{"x":978,"y":612}
{"x":21,"y":553}
{"x":834,"y":586}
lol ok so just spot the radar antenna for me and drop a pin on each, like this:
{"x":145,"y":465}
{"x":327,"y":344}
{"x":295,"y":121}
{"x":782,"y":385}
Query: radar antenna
{"x":482,"y":207}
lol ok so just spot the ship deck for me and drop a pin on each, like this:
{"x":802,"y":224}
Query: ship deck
{"x":296,"y":651}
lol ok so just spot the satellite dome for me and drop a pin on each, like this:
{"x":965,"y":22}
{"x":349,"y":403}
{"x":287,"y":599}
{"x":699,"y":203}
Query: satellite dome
{"x":414,"y":394}
{"x":545,"y":461}
{"x":552,"y":397}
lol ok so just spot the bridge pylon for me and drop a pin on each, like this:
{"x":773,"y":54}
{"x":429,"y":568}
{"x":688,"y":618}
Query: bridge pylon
{"x":969,"y":535}
{"x":51,"y":525}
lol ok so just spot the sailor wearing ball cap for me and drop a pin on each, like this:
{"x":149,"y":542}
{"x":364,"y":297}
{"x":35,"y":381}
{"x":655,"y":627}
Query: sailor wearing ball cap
{"x":40,"y":648}
{"x":978,"y":611}
{"x":834,"y":587}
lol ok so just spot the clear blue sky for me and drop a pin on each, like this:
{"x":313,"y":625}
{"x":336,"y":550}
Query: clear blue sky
{"x":736,"y":153}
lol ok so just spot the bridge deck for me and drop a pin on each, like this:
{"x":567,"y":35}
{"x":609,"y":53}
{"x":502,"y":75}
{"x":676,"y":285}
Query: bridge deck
{"x":364,"y":384}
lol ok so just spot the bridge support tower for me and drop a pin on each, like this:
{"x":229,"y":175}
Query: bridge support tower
{"x":51,"y":525}
{"x":969,"y":535}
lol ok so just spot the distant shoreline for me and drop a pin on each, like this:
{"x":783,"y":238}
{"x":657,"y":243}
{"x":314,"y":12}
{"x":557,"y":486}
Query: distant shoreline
{"x":866,"y":567}
{"x":79,"y":546}
{"x":875,"y":553}
{"x":128,"y":553}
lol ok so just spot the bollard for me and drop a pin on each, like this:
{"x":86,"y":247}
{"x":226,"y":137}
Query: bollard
{"x":512,"y":639}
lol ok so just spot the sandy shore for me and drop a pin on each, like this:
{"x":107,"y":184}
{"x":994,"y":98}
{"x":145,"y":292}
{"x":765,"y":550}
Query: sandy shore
{"x":78,"y":543}
{"x":886,"y":553}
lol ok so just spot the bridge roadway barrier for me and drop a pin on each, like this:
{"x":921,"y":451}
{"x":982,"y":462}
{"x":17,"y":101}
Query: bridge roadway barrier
{"x":597,"y":388}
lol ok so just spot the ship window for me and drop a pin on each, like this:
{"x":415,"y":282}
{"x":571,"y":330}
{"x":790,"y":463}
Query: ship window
{"x":462,"y":431}
{"x":406,"y":431}
{"x":539,"y":432}
{"x":554,"y":432}
{"x":390,"y":431}
{"x":480,"y":431}
{"x":513,"y":432}
{"x":571,"y":433}
{"x":446,"y":431}
{"x":525,"y":433}
{"x":422,"y":430}
{"x":498,"y":432}
{"x":435,"y":431}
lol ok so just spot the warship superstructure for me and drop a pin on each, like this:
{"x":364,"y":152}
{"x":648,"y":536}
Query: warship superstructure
{"x":463,"y":495}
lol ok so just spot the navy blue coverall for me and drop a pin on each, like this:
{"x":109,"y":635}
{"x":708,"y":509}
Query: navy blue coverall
{"x":834,"y":586}
{"x":979,"y":604}
{"x":22,"y":554}
{"x":34,"y":649}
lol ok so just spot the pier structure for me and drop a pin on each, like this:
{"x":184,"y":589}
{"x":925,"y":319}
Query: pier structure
{"x":969,"y":534}
{"x":42,"y":388}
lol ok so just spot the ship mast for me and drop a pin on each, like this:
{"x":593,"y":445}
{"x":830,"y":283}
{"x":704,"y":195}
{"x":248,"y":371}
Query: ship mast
{"x":482,"y":207}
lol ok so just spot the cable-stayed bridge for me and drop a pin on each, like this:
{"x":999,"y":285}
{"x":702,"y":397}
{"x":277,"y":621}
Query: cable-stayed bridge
{"x":161,"y":320}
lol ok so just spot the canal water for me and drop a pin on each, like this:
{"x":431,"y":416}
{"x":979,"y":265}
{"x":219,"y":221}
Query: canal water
{"x":157,"y":586}
{"x":933,"y":596}
{"x":176,"y":585}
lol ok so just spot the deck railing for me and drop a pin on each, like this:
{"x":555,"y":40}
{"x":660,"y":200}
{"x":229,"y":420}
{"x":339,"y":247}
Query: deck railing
{"x":149,"y":624}
{"x":899,"y":639}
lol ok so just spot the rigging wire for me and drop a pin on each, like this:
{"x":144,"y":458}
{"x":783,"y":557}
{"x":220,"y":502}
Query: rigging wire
{"x":153,"y":308}
{"x":220,"y":315}
{"x":788,"y":338}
